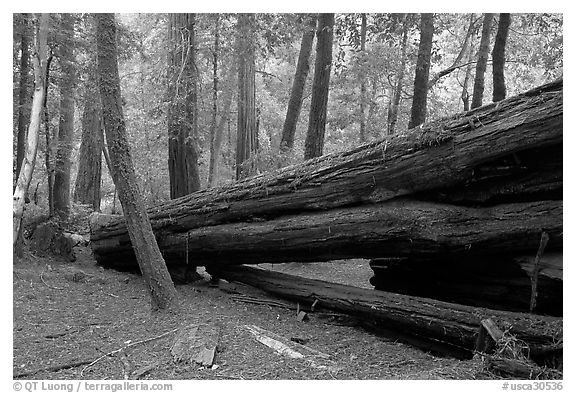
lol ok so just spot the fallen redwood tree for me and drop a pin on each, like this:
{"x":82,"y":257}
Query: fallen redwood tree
{"x":429,"y":159}
{"x":424,"y":320}
{"x":402,"y":227}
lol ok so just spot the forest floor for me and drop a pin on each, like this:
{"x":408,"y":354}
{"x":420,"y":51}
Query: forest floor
{"x":70,"y":314}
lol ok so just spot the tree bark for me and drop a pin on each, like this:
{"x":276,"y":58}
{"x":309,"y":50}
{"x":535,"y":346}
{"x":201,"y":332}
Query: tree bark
{"x":23,"y":96}
{"x":446,"y":153}
{"x":424,"y":319}
{"x":87,"y":190}
{"x":499,"y":58}
{"x":418,"y":114}
{"x":246,"y":132}
{"x":218,"y":135}
{"x":314,"y":143}
{"x":297,"y":92}
{"x":395,"y":102}
{"x":25,"y":175}
{"x":363,"y":80}
{"x":465,"y":95}
{"x":49,"y":161}
{"x":66,"y":126}
{"x":152,"y":265}
{"x":182,"y":111}
{"x":213,"y":124}
{"x":483,"y":52}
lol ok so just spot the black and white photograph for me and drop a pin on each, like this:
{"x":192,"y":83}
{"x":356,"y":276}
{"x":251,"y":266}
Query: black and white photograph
{"x":228,"y":196}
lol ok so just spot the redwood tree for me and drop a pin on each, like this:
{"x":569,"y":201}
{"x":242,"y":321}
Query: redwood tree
{"x":363,"y":28}
{"x":483,"y":52}
{"x":247,"y":134}
{"x":297,"y":92}
{"x":66,"y":125}
{"x":395,"y":101}
{"x":152,"y":265}
{"x":499,"y":58}
{"x":418,"y":115}
{"x":314,"y":144}
{"x":182,"y":111}
{"x":23,"y":93}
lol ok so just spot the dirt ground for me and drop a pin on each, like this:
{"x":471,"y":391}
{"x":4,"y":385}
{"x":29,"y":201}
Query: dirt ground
{"x":71,"y":313}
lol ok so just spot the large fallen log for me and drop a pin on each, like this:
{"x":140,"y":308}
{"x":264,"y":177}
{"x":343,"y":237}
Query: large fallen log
{"x":500,"y":282}
{"x":438,"y":155}
{"x":422,"y":230}
{"x":424,"y":319}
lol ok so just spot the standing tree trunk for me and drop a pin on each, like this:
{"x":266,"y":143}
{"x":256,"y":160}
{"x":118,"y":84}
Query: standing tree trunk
{"x":213,"y":124}
{"x":66,"y":127}
{"x":499,"y":58}
{"x":395,"y":103}
{"x":247,"y":136}
{"x":418,"y":115}
{"x":23,"y":99}
{"x":87,"y":190}
{"x":182,"y":112}
{"x":29,"y":160}
{"x":297,"y":92}
{"x":218,"y":135}
{"x":482,"y":61}
{"x":363,"y":80}
{"x":314,"y":144}
{"x":49,"y":145}
{"x":150,"y":260}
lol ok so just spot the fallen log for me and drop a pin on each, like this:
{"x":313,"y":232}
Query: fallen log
{"x":424,"y":319}
{"x":440,"y":154}
{"x":499,"y":282}
{"x":422,"y":230}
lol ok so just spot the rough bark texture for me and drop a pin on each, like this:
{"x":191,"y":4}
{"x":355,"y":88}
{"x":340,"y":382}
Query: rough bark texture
{"x":150,"y":261}
{"x":418,"y":114}
{"x":49,"y":154}
{"x":87,"y":190}
{"x":395,"y":102}
{"x":66,"y":125}
{"x":421,"y":230}
{"x":23,"y":95}
{"x":314,"y":143}
{"x":246,"y":134}
{"x":449,"y":153}
{"x":499,"y":58}
{"x":483,"y":53}
{"x":218,"y":136}
{"x":424,"y":319}
{"x":499,"y":282}
{"x":25,"y":175}
{"x":214,"y":148}
{"x":297,"y":92}
{"x":363,"y":81}
{"x":182,"y":111}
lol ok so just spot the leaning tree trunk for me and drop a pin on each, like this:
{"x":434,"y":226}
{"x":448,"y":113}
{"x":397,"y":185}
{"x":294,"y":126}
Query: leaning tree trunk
{"x":314,"y":143}
{"x":150,"y":261}
{"x":483,"y":52}
{"x":395,"y":102}
{"x":499,"y":58}
{"x":246,"y":134}
{"x":66,"y":128}
{"x":297,"y":92}
{"x":87,"y":190}
{"x":23,"y":99}
{"x":418,"y":115}
{"x":25,"y":175}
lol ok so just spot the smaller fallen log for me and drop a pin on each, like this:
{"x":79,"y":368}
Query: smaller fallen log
{"x":424,"y":319}
{"x":498,"y":282}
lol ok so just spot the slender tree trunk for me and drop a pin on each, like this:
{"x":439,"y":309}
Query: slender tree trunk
{"x":218,"y":136}
{"x":247,"y":137}
{"x":418,"y":115}
{"x":465,"y":95}
{"x":499,"y":58}
{"x":66,"y":127}
{"x":483,"y":52}
{"x":182,"y":112}
{"x":297,"y":92}
{"x":213,"y":124}
{"x":363,"y":80}
{"x":48,"y":156}
{"x":87,"y":190}
{"x":152,"y":265}
{"x":393,"y":110}
{"x":314,"y":144}
{"x":23,"y":96}
{"x":29,"y":160}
